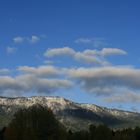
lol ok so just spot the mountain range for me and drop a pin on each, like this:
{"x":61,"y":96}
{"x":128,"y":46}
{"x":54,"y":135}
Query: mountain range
{"x":73,"y":115}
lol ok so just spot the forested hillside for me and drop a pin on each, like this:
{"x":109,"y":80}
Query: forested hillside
{"x":39,"y":123}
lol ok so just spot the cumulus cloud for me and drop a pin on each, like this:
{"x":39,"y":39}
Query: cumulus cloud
{"x":115,"y":83}
{"x":42,"y":85}
{"x":104,"y":80}
{"x":112,"y":51}
{"x":37,"y":80}
{"x":45,"y":71}
{"x":91,"y":52}
{"x":120,"y":84}
{"x":26,"y":83}
{"x":11,"y":50}
{"x":59,"y":51}
{"x":87,"y":56}
{"x":79,"y":56}
{"x":7,"y":82}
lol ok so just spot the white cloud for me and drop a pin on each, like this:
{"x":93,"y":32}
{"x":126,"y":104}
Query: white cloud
{"x":26,"y":83}
{"x":4,"y":71}
{"x":34,"y":39}
{"x":95,"y":42}
{"x":59,"y":51}
{"x":11,"y":50}
{"x":109,"y":81}
{"x":48,"y":62}
{"x":112,"y":51}
{"x":83,"y":40}
{"x":37,"y":80}
{"x":87,"y":58}
{"x":18,"y":40}
{"x":130,"y":97}
{"x":106,"y":80}
{"x":91,"y":52}
{"x":45,"y":71}
{"x":96,"y":57}
{"x":79,"y":56}
{"x":115,"y":84}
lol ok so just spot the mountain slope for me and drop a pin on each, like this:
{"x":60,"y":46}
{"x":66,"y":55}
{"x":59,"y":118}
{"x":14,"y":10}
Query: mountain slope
{"x":72,"y":115}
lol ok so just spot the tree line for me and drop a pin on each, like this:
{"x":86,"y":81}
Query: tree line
{"x":39,"y":123}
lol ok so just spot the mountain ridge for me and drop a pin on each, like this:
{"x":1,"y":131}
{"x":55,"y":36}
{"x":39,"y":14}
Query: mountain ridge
{"x":73,"y":115}
{"x":70,"y":101}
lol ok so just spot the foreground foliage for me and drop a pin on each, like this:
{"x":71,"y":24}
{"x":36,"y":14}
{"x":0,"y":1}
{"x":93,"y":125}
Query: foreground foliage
{"x":39,"y":123}
{"x":34,"y":123}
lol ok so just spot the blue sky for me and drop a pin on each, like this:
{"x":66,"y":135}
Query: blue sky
{"x":45,"y":44}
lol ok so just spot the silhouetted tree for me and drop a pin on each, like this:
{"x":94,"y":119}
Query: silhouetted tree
{"x":39,"y":123}
{"x":2,"y":133}
{"x":35,"y":123}
{"x":102,"y":132}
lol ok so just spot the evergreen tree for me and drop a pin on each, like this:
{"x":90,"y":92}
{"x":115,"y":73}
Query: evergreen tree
{"x":35,"y":123}
{"x":102,"y":132}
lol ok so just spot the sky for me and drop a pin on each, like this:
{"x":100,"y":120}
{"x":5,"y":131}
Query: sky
{"x":83,"y":50}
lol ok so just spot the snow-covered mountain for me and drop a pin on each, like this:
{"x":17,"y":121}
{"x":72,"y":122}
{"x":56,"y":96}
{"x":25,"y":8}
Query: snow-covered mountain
{"x":73,"y":115}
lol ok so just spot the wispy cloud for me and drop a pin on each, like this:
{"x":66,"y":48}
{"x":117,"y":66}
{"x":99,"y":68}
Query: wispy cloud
{"x":129,"y":96}
{"x":22,"y":39}
{"x":48,"y":62}
{"x":11,"y":50}
{"x":95,"y":42}
{"x":4,"y":71}
{"x":34,"y":39}
{"x":18,"y":39}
